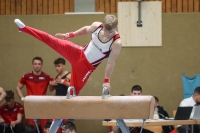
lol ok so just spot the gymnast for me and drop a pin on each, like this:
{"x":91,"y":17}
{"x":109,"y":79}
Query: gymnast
{"x":105,"y":43}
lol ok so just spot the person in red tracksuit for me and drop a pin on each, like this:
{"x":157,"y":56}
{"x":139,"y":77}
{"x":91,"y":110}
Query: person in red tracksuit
{"x":11,"y":114}
{"x":36,"y":83}
{"x":105,"y":43}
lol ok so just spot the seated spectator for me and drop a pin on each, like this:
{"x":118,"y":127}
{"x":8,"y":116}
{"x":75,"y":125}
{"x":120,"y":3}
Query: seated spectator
{"x":137,"y":91}
{"x":11,"y":114}
{"x":191,"y":101}
{"x":30,"y":129}
{"x":68,"y":127}
{"x":163,"y":115}
{"x":2,"y":94}
{"x":46,"y":127}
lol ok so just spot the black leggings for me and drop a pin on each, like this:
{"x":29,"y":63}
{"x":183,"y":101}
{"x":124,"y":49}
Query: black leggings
{"x":17,"y":129}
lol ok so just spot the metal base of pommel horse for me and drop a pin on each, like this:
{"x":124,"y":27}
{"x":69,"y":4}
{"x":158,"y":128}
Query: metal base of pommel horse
{"x":57,"y":122}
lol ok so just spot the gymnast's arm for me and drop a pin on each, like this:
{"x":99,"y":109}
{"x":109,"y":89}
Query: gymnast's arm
{"x":17,"y":121}
{"x":52,"y":85}
{"x":18,"y":90}
{"x":86,"y":29}
{"x":2,"y":94}
{"x":82,"y":31}
{"x":55,"y":82}
{"x":115,"y":50}
{"x":68,"y":78}
{"x":1,"y":115}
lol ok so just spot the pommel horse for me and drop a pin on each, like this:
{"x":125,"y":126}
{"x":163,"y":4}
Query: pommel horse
{"x":89,"y":107}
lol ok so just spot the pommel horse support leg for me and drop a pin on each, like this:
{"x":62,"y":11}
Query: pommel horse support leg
{"x":90,"y":107}
{"x":57,"y":122}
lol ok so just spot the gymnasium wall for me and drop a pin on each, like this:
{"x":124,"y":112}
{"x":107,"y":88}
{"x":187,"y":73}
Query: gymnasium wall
{"x":110,"y":6}
{"x":157,"y":69}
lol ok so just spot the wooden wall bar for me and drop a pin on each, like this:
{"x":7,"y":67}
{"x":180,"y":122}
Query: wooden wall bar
{"x":110,"y":6}
{"x":12,"y":7}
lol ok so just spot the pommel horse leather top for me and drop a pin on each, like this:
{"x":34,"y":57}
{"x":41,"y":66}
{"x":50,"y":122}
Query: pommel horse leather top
{"x":89,"y":107}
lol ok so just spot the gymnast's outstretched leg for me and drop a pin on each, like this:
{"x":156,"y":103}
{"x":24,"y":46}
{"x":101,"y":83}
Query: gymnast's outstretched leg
{"x":66,"y":48}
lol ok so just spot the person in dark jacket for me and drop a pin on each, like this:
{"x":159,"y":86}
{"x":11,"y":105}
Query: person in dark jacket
{"x":163,"y":115}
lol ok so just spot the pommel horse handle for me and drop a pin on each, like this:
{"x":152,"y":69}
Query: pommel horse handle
{"x":104,"y":95}
{"x":69,"y":96}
